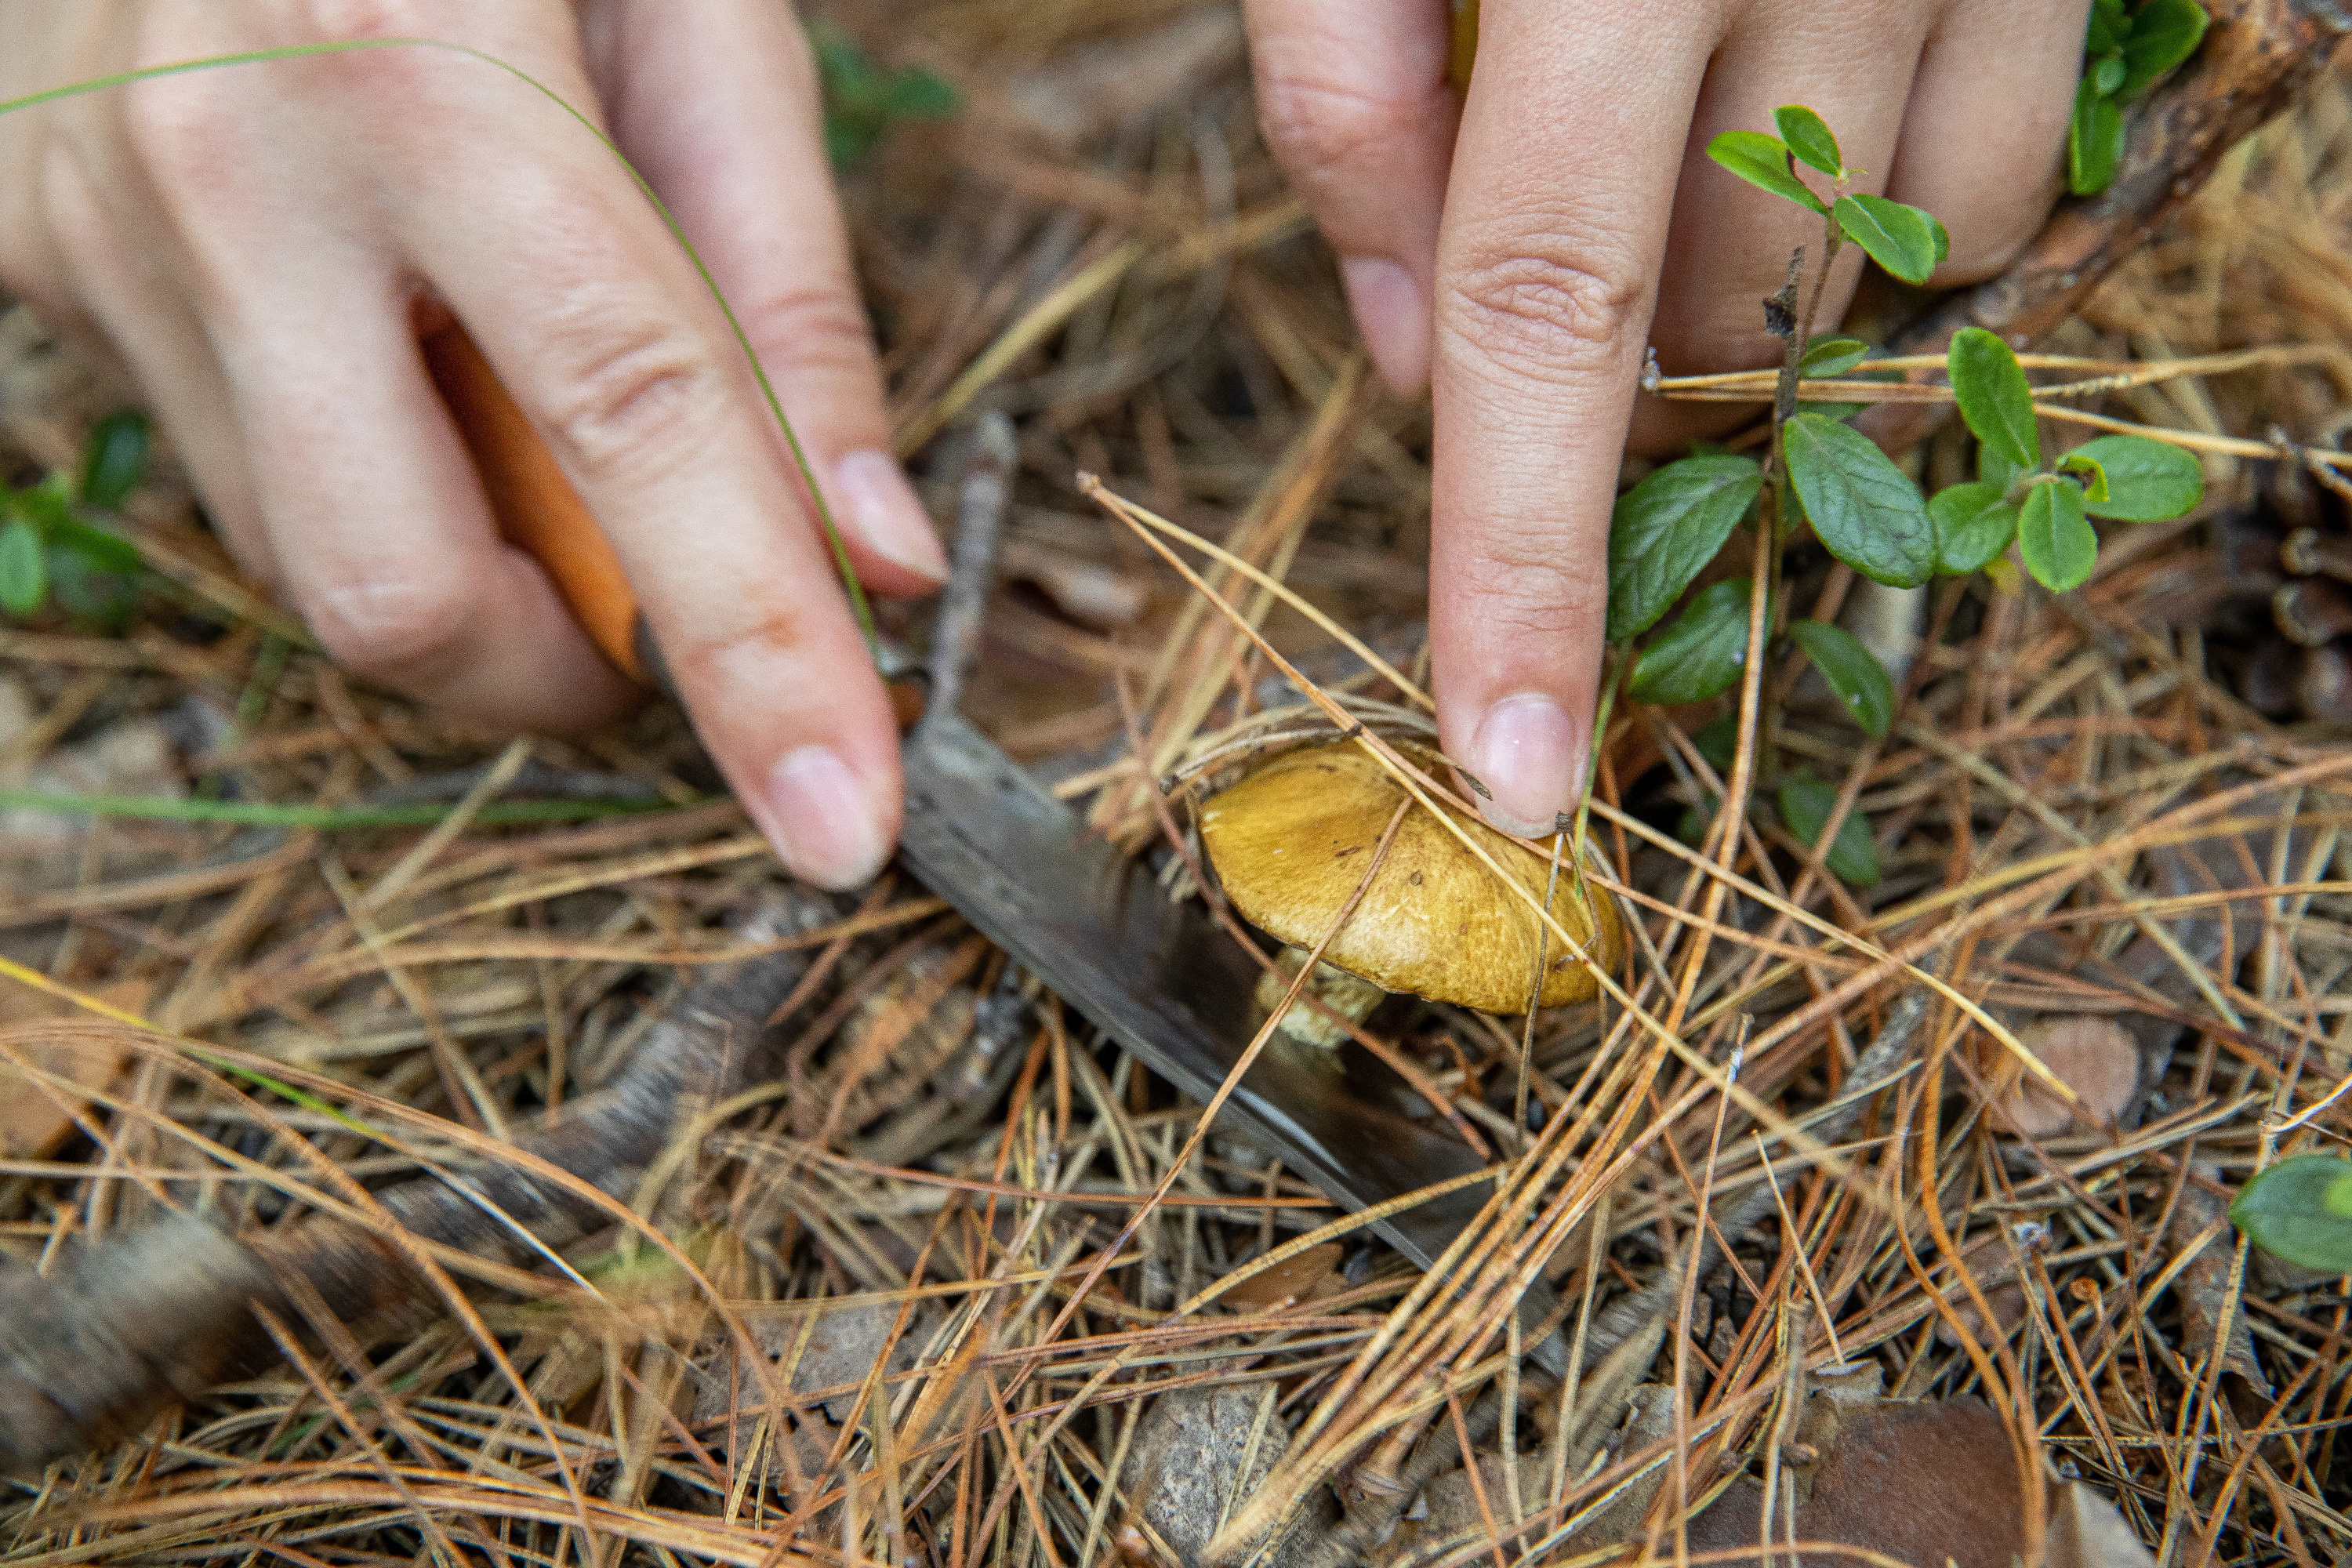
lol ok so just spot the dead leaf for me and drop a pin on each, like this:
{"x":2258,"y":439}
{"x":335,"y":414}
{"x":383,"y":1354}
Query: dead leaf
{"x":2092,"y":1056}
{"x":34,"y":1118}
{"x":1294,"y":1280}
{"x":1921,"y":1482}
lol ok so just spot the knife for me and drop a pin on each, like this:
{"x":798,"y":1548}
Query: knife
{"x":1157,"y":976}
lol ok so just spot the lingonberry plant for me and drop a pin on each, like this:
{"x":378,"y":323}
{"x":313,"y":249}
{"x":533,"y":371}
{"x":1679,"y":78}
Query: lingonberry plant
{"x":862,"y":100}
{"x":54,"y":549}
{"x":1819,"y":470}
{"x":2123,"y":52}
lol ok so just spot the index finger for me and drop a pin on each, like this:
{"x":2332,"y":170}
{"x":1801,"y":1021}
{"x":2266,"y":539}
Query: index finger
{"x":603,"y":332}
{"x":1563,"y":182}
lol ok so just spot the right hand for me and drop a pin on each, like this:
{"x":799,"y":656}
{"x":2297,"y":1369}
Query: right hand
{"x":1518,"y":251}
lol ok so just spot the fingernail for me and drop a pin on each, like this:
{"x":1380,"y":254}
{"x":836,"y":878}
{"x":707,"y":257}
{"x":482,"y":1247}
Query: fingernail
{"x":1391,"y":318}
{"x":883,"y":511}
{"x":821,"y":818}
{"x":1528,"y":755}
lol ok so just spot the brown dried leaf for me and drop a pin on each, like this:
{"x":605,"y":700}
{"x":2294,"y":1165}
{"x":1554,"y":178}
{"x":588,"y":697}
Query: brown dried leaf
{"x":1310,"y":1274}
{"x":34,"y":1118}
{"x":2092,"y":1056}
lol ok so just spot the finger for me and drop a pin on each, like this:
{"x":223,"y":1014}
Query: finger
{"x":1570,"y":144}
{"x":376,"y":521}
{"x":1356,"y":109}
{"x":1984,"y":139}
{"x":718,"y":107}
{"x":115,"y":265}
{"x":601,"y":328}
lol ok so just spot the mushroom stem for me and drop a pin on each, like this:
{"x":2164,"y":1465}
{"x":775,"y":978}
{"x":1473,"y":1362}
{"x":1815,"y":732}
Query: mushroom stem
{"x":1348,"y":997}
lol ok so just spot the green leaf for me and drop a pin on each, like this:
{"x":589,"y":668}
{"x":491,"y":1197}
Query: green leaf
{"x":114,"y":460}
{"x":23,"y":574}
{"x":1701,"y":654}
{"x":2056,"y":540}
{"x":1763,"y":161}
{"x":1852,"y":671}
{"x":1994,"y":396}
{"x":1853,"y":857}
{"x":98,"y":598}
{"x":2094,"y":477}
{"x":48,"y":506}
{"x":1841,"y":409}
{"x":1994,"y":469}
{"x":2110,"y":25}
{"x":1898,"y":236}
{"x":1865,"y":509}
{"x":2094,"y":141}
{"x":2164,"y":34}
{"x":2147,"y":481}
{"x":917,"y":94}
{"x":1668,"y":527}
{"x":1943,"y":236}
{"x":2301,"y":1210}
{"x":1831,"y":357}
{"x":1808,"y":136}
{"x":105,"y":551}
{"x":1717,"y":740}
{"x":2106,"y":74}
{"x":1974,"y":524}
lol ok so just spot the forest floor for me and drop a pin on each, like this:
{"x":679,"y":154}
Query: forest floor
{"x":841,"y":1316}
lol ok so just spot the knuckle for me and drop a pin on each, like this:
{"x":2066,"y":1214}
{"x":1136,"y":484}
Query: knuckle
{"x":633,"y":394}
{"x":360,"y":18}
{"x":391,"y":628}
{"x":179,"y":130}
{"x":1319,"y":124}
{"x":812,"y":325}
{"x":1526,"y":301}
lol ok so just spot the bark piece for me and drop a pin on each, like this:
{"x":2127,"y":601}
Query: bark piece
{"x":1187,"y":1460}
{"x":2203,"y":1286}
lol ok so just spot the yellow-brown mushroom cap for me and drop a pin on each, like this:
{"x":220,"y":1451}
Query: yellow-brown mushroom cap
{"x":1290,"y":844}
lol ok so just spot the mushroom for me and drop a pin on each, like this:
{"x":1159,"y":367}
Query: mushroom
{"x":1290,"y":843}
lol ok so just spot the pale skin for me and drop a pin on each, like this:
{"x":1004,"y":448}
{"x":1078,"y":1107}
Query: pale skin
{"x":252,"y":244}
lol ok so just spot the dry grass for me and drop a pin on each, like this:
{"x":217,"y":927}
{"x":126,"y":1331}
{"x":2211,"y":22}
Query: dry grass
{"x":843,"y":1321}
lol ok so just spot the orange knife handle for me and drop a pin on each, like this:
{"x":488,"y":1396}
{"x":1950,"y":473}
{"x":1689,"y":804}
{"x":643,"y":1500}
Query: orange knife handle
{"x":538,"y":511}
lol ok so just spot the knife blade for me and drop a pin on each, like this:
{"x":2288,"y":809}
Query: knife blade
{"x":1157,"y":976}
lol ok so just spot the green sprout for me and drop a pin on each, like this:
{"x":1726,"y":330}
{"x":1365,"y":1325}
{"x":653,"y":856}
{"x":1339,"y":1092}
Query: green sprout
{"x":862,"y":100}
{"x":1860,"y":504}
{"x":53,"y":552}
{"x":2124,"y":53}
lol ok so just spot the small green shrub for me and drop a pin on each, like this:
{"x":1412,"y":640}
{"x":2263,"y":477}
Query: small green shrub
{"x":1864,"y":510}
{"x":52,"y":552}
{"x":2124,"y":53}
{"x":862,"y":100}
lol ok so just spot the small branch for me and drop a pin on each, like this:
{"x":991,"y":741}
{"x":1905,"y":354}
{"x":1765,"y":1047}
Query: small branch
{"x":971,"y":571}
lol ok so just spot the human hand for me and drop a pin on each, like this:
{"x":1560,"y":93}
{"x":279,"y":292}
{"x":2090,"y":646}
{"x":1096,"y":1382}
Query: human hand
{"x":1518,"y":251}
{"x":253,"y":240}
